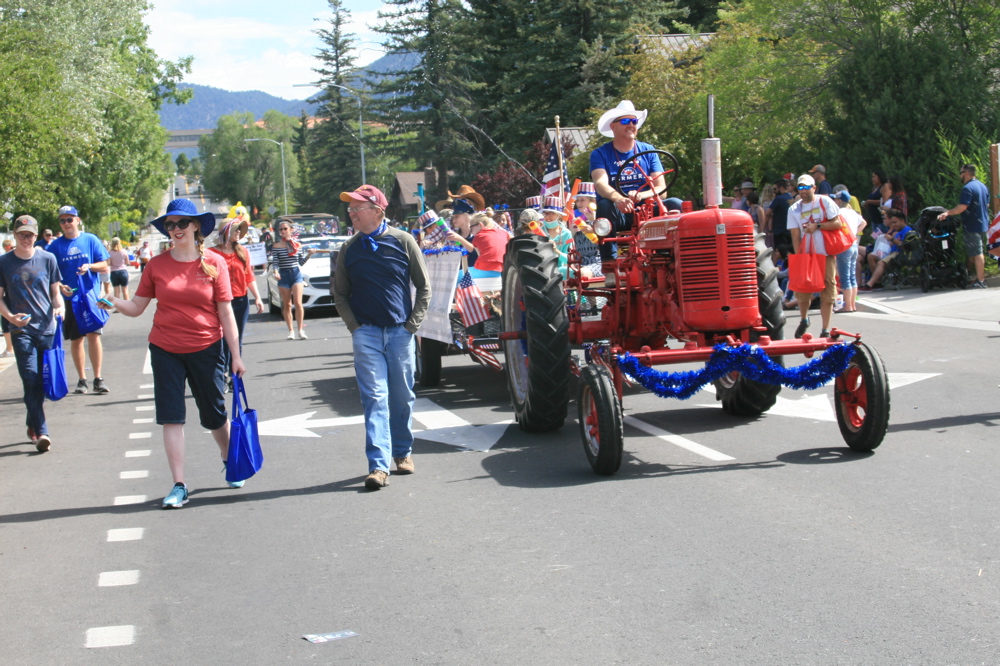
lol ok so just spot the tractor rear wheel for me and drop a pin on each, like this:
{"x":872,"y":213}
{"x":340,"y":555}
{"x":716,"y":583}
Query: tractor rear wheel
{"x":745,"y":397}
{"x":534,"y":304}
{"x":862,"y":400}
{"x":600,"y":420}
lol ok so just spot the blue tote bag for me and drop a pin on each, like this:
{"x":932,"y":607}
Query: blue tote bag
{"x":89,"y":317}
{"x":54,"y":367}
{"x":245,"y":457}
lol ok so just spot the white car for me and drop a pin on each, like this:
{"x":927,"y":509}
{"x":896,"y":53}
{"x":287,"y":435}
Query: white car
{"x":316,"y":293}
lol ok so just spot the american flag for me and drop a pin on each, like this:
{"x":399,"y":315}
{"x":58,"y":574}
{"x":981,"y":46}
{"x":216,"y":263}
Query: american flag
{"x":551,"y":177}
{"x":485,"y":358}
{"x":469,"y":300}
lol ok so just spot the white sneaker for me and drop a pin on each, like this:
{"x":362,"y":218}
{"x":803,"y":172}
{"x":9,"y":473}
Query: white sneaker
{"x":291,"y":335}
{"x":302,"y":335}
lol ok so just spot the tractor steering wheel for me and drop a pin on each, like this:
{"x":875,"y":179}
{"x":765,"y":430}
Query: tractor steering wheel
{"x":649,"y":181}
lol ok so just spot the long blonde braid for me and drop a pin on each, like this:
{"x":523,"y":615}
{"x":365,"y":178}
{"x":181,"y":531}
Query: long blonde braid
{"x":199,"y":241}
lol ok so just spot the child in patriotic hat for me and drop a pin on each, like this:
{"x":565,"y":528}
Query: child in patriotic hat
{"x":559,"y":235}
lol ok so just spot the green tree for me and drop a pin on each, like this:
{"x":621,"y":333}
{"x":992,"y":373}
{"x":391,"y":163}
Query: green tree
{"x":250,"y":171}
{"x":429,"y":107}
{"x":182,"y":163}
{"x":331,"y":150}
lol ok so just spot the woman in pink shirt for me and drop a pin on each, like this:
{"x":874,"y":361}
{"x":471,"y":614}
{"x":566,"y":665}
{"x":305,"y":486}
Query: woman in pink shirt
{"x":193,"y":320}
{"x":118,"y":264}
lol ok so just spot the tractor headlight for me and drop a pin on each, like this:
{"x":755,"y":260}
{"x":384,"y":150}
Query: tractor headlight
{"x":602,"y":226}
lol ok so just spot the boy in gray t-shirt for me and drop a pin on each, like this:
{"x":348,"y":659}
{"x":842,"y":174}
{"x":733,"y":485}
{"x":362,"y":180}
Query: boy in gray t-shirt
{"x":30,"y":300}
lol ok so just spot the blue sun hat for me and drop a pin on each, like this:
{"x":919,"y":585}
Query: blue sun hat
{"x":186,"y":208}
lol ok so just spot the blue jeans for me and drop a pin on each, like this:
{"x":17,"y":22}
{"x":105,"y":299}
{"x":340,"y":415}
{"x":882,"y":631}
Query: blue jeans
{"x":383,"y":363}
{"x":847,"y":267}
{"x":28,"y":348}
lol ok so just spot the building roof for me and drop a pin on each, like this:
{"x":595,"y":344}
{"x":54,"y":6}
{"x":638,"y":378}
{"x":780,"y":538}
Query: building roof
{"x":671,"y":46}
{"x":406,"y":186}
{"x":579,"y":137}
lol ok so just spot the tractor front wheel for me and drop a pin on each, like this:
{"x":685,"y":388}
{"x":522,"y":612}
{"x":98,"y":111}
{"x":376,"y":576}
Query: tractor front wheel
{"x":600,"y":420}
{"x":862,"y":400}
{"x":739,"y":395}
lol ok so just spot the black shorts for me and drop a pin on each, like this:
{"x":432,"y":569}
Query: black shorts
{"x":70,"y":331}
{"x":203,"y":371}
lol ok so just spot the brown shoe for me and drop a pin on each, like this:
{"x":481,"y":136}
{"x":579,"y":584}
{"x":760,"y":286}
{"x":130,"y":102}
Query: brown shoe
{"x":404,"y":465}
{"x":377,"y":479}
{"x":43,"y":443}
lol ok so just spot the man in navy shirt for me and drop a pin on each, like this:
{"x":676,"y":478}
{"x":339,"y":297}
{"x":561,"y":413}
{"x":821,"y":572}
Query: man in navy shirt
{"x":973,"y":206}
{"x":823,"y":186}
{"x":372,"y":293}
{"x":776,"y":216}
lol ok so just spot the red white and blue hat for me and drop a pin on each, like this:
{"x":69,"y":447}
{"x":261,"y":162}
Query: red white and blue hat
{"x":553,"y":205}
{"x":427,"y":218}
{"x":587,"y":190}
{"x":533,"y":202}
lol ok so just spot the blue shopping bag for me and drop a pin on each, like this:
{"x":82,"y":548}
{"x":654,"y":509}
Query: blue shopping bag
{"x":89,"y":317}
{"x":245,"y":457}
{"x":54,"y":367}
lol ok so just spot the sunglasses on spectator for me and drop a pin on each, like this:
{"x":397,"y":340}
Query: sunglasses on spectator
{"x":628,"y":121}
{"x":179,"y":224}
{"x":355,"y":209}
{"x":65,"y":220}
{"x":805,"y":187}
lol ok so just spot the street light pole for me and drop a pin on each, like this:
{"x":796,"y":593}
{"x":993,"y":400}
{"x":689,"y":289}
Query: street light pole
{"x":361,"y":128}
{"x":284,"y":180}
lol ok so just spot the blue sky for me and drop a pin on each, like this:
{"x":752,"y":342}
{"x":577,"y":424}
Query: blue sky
{"x":254,"y":45}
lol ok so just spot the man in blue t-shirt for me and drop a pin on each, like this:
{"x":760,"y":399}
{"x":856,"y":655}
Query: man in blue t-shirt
{"x":30,"y":300}
{"x":776,"y":215}
{"x":823,"y":186}
{"x":973,"y":206}
{"x":622,"y":124}
{"x":79,"y":254}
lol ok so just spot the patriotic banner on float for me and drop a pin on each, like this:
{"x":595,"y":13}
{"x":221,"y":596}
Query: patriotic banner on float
{"x":443,"y":270}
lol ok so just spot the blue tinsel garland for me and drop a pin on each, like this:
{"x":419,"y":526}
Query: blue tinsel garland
{"x":750,"y":360}
{"x":446,"y":248}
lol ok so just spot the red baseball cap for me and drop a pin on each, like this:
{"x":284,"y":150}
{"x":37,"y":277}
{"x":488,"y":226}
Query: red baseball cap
{"x":368,"y":193}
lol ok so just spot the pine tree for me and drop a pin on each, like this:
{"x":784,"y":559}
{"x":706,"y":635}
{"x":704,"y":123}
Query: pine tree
{"x":429,"y":106}
{"x":332,"y":155}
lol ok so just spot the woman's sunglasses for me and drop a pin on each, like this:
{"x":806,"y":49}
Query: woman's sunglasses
{"x":179,"y":224}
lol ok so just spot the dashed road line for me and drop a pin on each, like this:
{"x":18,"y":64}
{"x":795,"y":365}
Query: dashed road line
{"x":145,"y":396}
{"x":122,"y":500}
{"x":135,"y":474}
{"x":145,"y":408}
{"x":138,"y":453}
{"x":117,"y":578}
{"x":126,"y":534}
{"x":140,"y":435}
{"x":677,"y":440}
{"x":100,"y":637}
{"x":138,"y":421}
{"x":145,"y":386}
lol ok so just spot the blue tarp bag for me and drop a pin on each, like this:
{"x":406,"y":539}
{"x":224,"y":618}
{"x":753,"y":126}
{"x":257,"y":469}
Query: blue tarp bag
{"x":245,"y":457}
{"x":89,"y":317}
{"x":54,"y":367}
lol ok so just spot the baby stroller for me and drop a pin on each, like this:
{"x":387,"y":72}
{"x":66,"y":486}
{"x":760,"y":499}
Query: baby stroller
{"x":940,"y":240}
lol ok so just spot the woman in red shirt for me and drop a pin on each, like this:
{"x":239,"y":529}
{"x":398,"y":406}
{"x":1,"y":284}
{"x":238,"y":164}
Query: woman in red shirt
{"x":193,"y":320}
{"x":241,"y":277}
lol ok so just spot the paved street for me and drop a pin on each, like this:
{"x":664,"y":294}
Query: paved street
{"x":769,"y":543}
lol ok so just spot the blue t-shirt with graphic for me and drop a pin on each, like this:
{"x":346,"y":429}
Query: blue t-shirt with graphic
{"x":976,"y":197}
{"x":84,"y":249}
{"x":27,"y":285}
{"x":607,"y":158}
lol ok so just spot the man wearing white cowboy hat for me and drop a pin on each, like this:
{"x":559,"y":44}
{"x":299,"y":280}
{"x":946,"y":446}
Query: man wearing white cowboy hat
{"x":622,"y":124}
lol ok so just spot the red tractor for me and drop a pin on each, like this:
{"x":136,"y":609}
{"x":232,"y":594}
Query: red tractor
{"x":682,"y":285}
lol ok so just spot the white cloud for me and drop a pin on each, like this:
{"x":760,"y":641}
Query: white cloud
{"x":242,"y":46}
